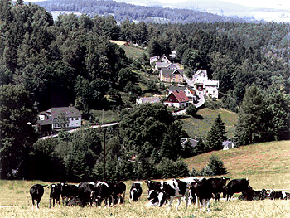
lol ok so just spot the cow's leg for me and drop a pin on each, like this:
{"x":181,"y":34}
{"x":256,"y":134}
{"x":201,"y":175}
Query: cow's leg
{"x":38,"y":202}
{"x":208,"y":205}
{"x":178,"y":203}
{"x":32,"y":203}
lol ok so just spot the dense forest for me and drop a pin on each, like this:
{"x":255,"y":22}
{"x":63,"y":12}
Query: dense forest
{"x":71,"y":61}
{"x":123,"y":11}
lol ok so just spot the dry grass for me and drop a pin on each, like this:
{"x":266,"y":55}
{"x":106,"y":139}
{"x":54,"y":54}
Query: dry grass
{"x":266,"y":165}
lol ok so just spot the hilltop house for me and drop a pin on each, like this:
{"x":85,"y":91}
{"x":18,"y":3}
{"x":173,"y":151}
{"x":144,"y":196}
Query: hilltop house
{"x":56,"y":118}
{"x":177,"y":99}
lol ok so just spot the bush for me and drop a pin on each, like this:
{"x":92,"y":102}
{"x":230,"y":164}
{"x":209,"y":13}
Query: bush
{"x":191,"y":110}
{"x":169,"y":169}
{"x":194,"y":172}
{"x":206,"y":171}
{"x":217,"y":166}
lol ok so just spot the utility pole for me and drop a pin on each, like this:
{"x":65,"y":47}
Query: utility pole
{"x":104,"y":176}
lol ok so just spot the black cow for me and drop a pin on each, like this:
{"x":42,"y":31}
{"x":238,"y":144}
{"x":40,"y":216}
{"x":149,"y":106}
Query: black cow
{"x":68,"y":191}
{"x":135,"y":191}
{"x":217,"y":186}
{"x":204,"y":191}
{"x":103,"y":191}
{"x":235,"y":186}
{"x":36,"y":192}
{"x":119,"y":189}
{"x":54,"y":194}
{"x":251,"y":194}
{"x":153,"y":185}
{"x":85,"y":192}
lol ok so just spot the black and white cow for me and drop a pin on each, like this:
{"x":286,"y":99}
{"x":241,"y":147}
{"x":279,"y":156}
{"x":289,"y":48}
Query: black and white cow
{"x":166,"y":191}
{"x":54,"y":194}
{"x":235,"y":186}
{"x":153,"y":185}
{"x":135,"y":191}
{"x":103,"y":191}
{"x":68,"y":191}
{"x":119,"y":190}
{"x":36,"y":192}
{"x":273,"y":195}
{"x":85,"y":192}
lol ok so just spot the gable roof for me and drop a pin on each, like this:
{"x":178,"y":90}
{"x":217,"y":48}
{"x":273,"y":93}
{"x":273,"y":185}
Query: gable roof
{"x":180,"y":96}
{"x":67,"y":111}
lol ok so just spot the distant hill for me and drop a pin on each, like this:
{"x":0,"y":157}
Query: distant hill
{"x":123,"y":11}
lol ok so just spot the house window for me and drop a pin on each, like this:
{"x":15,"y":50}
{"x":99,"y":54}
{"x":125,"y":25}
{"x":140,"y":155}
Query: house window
{"x":77,"y":118}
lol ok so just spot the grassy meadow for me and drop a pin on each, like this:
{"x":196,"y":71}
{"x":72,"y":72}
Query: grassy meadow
{"x":199,"y":127}
{"x":266,"y":165}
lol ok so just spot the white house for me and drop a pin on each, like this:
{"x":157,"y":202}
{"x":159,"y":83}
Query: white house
{"x":205,"y":86}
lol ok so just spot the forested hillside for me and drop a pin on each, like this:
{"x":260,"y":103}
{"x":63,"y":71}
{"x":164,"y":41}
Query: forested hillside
{"x":71,"y":61}
{"x":123,"y":11}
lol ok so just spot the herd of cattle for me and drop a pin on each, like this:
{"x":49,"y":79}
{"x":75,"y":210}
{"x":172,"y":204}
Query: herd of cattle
{"x":192,"y":190}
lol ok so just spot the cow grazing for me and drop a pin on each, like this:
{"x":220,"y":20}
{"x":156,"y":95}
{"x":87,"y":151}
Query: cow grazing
{"x":154,"y":197}
{"x":36,"y":192}
{"x":166,"y":191}
{"x":153,"y":185}
{"x":203,"y":190}
{"x":278,"y":195}
{"x":103,"y":191}
{"x":85,"y":192}
{"x":251,"y":194}
{"x":54,"y":194}
{"x":135,"y":191}
{"x":235,"y":186}
{"x":68,"y":191}
{"x":119,"y":189}
{"x":217,"y":186}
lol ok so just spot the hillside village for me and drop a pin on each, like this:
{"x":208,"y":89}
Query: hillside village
{"x":181,"y":92}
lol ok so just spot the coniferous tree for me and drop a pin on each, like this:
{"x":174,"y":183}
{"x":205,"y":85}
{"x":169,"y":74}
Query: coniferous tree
{"x":216,"y":135}
{"x":253,"y":121}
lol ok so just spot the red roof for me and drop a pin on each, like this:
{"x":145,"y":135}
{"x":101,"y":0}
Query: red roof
{"x":180,"y":96}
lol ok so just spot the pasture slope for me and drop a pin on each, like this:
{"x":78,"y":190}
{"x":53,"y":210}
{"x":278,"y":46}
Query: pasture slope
{"x":266,"y":165}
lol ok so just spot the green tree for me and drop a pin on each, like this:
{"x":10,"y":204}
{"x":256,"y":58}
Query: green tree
{"x":254,"y":118}
{"x":217,"y":165}
{"x":216,"y":135}
{"x":17,"y":134}
{"x":191,"y":110}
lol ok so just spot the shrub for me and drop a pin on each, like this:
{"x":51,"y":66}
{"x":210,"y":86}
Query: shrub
{"x":191,"y":110}
{"x":217,"y":165}
{"x":206,"y":171}
{"x":194,"y":172}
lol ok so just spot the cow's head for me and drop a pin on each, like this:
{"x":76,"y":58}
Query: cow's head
{"x":152,"y":194}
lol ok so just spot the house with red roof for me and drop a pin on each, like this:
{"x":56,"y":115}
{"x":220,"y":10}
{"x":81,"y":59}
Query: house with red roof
{"x":177,"y":98}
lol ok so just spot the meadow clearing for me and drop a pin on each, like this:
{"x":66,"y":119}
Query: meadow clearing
{"x":266,"y":166}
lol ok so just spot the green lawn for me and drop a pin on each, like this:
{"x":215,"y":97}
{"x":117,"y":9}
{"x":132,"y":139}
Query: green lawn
{"x":199,"y":127}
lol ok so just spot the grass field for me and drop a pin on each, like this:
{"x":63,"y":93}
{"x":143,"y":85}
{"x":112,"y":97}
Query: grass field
{"x":199,"y":127}
{"x":266,"y":165}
